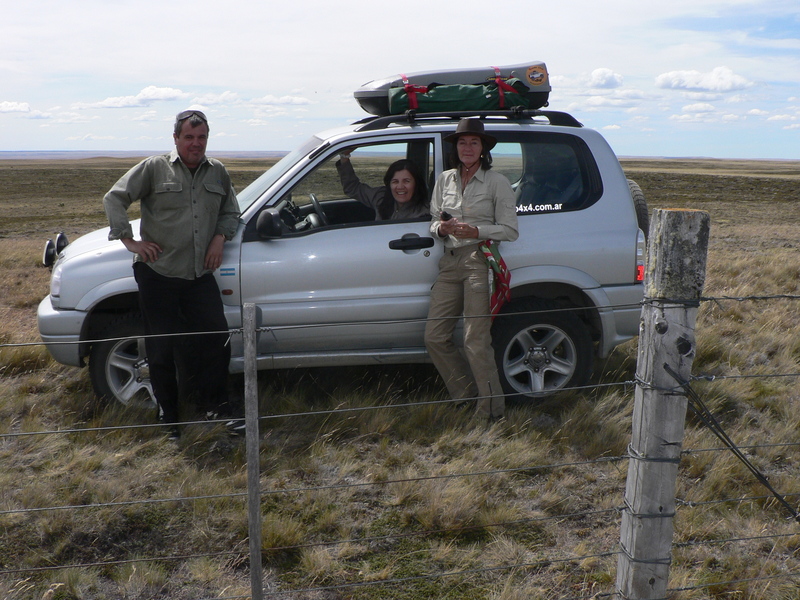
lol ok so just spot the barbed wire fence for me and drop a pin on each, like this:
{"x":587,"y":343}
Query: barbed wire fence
{"x":680,"y":386}
{"x":609,"y":554}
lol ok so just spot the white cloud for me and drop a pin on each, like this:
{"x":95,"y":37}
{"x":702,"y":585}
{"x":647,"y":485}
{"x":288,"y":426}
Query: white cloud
{"x":90,"y":137}
{"x":699,"y":108}
{"x":697,"y":117}
{"x":226,"y":97}
{"x":7,"y":107}
{"x":737,"y":99}
{"x":148,"y":115}
{"x":38,"y":114}
{"x":701,"y":96}
{"x":719,"y":79}
{"x":557,"y":82}
{"x":603,"y":79}
{"x":598,"y":102}
{"x":646,"y":63}
{"x":270,"y":100}
{"x":631,"y":94}
{"x":624,"y":99}
{"x":146,"y":97}
{"x":69,"y":118}
{"x":683,"y":118}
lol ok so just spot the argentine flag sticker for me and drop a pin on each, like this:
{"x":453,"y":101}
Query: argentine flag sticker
{"x":227,"y":272}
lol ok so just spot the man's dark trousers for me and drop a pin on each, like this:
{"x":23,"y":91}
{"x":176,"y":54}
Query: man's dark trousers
{"x":173,"y":305}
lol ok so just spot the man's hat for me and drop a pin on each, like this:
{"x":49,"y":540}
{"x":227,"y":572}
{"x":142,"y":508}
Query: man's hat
{"x":472,"y":126}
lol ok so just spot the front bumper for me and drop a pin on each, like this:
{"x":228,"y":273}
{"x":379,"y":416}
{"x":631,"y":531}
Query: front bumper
{"x":60,"y":330}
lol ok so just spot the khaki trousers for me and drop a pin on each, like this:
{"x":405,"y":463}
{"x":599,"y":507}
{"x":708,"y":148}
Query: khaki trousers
{"x":462,"y":287}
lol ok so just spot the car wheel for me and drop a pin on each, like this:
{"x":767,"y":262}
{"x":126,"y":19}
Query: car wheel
{"x":540,"y":350}
{"x":118,"y":365}
{"x":640,"y":204}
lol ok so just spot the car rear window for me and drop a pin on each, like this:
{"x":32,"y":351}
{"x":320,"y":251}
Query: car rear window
{"x":550,"y":172}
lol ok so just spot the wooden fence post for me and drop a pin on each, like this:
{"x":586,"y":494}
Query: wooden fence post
{"x":674,"y":278}
{"x":253,"y":448}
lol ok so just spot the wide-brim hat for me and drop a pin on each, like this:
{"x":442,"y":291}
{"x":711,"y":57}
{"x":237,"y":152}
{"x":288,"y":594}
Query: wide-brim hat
{"x":472,"y":126}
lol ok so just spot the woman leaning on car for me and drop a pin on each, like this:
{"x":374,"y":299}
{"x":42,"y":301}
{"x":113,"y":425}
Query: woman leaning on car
{"x":470,"y":204}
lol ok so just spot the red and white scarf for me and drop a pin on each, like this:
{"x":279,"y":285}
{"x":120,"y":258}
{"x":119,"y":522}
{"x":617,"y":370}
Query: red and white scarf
{"x":501,"y":282}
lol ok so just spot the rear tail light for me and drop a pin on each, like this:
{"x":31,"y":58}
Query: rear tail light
{"x":641,"y":252}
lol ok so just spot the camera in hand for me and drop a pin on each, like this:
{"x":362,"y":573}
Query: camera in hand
{"x":446,"y":216}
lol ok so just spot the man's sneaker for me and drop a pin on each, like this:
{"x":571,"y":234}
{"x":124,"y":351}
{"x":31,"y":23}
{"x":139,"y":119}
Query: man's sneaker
{"x":174,"y":433}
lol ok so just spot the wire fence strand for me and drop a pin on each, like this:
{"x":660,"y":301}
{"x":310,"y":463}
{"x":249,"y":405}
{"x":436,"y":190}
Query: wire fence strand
{"x":524,"y":470}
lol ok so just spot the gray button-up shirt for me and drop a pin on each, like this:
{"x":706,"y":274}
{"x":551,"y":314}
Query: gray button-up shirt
{"x":181,"y":212}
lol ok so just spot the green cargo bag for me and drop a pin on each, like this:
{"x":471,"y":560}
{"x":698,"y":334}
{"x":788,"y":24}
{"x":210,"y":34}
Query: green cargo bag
{"x":443,"y":98}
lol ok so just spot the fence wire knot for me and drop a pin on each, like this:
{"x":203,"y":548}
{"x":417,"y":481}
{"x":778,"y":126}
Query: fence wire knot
{"x":636,"y":455}
{"x":644,"y":561}
{"x":629,"y":509}
{"x":647,"y":385}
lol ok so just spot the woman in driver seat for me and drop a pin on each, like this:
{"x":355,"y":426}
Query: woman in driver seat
{"x":407,"y":197}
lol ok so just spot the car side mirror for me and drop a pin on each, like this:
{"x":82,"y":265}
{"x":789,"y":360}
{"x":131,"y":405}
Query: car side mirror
{"x":269,"y":224}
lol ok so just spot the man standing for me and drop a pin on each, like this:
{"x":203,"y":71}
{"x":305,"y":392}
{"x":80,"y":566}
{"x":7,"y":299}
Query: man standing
{"x":189,"y":210}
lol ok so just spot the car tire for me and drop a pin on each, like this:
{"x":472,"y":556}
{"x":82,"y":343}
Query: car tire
{"x":640,"y":204}
{"x":118,"y":364}
{"x":540,"y":349}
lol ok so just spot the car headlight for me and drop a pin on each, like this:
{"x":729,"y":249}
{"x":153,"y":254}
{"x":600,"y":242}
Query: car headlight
{"x":55,"y":281}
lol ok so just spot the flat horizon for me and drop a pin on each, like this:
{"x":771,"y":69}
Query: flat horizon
{"x":83,"y":154}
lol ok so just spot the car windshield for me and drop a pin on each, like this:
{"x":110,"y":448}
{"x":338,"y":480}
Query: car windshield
{"x":254,"y":191}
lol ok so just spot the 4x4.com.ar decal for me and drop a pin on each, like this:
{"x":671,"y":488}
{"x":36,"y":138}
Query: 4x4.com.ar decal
{"x":526,"y":209}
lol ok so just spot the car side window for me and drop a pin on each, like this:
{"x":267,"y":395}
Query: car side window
{"x":549,"y":172}
{"x":323,"y":182}
{"x":507,"y":159}
{"x":350,"y":193}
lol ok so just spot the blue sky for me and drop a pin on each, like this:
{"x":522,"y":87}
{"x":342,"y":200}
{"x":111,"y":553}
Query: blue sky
{"x":679,"y":78}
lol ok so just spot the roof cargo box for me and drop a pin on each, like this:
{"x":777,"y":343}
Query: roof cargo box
{"x":373,"y":96}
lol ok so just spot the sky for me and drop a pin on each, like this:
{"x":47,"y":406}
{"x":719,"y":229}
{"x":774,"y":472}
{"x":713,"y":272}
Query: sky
{"x":683,"y":78}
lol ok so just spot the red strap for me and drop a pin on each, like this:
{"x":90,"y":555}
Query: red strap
{"x":501,"y":292}
{"x":502,"y":87}
{"x":411,"y":92}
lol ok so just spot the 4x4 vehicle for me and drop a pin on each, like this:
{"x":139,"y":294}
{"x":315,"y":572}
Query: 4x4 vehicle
{"x":336,"y":287}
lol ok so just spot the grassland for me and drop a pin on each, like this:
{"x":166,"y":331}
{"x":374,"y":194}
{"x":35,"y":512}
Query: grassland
{"x":330,"y":514}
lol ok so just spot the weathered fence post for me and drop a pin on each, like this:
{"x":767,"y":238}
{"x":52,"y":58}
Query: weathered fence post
{"x":676,"y":261}
{"x":249,"y":326}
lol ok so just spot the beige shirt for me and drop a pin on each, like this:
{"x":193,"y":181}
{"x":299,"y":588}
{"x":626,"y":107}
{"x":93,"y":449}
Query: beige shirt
{"x":487,"y":203}
{"x":181,"y":212}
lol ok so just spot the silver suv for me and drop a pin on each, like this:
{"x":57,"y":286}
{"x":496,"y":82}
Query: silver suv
{"x":335,"y":287}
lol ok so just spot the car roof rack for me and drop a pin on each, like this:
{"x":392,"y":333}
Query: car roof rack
{"x":411,"y":116}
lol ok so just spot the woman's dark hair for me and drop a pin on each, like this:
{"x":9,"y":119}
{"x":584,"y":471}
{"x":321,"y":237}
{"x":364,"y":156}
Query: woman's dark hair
{"x":420,"y":197}
{"x":454,"y":161}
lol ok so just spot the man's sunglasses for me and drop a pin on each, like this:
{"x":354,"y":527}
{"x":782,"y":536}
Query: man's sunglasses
{"x":188,"y":113}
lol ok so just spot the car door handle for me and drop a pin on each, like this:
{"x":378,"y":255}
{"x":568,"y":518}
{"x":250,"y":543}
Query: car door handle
{"x":411,"y":241}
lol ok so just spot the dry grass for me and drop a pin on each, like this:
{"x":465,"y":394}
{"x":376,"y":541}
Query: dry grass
{"x":372,"y":496}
